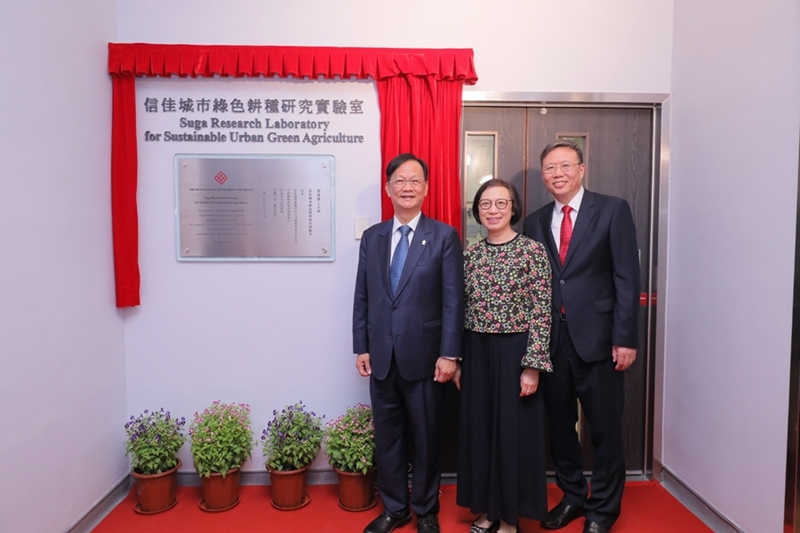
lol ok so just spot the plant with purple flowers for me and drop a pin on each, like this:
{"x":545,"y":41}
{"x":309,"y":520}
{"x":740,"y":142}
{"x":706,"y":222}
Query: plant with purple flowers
{"x":350,"y":440}
{"x":222,"y":438}
{"x":154,"y":439}
{"x":292,"y":439}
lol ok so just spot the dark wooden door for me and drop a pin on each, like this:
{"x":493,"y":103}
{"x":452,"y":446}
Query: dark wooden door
{"x":618,"y":146}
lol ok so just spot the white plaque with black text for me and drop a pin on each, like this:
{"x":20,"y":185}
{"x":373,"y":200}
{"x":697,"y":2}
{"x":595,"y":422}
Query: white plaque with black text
{"x":254,"y":207}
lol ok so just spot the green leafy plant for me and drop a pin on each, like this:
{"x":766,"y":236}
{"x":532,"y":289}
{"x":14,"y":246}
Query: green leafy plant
{"x":350,"y":440}
{"x":292,"y":439}
{"x":154,"y":439}
{"x":221,"y":438}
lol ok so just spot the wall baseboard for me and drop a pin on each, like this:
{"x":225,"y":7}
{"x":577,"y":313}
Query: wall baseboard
{"x":103,"y":506}
{"x":255,"y":477}
{"x":696,"y":504}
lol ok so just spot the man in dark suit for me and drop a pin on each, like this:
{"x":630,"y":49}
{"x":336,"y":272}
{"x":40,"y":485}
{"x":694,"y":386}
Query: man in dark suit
{"x":408,"y":320}
{"x":591,"y":241}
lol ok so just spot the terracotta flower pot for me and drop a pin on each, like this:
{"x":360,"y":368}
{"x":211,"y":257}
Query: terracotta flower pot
{"x":356,"y":492}
{"x":156,"y":492}
{"x":220,"y":494}
{"x":288,"y":489}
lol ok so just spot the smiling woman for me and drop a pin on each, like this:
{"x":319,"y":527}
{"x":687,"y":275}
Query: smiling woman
{"x":506,"y":345}
{"x":496,"y":208}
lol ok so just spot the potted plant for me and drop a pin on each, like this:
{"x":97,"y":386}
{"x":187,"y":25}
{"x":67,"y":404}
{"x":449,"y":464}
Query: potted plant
{"x":222,"y":441}
{"x":350,"y":445}
{"x":154,"y":439}
{"x":291,"y":443}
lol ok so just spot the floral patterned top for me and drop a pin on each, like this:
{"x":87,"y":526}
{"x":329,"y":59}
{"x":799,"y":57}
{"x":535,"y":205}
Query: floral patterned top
{"x":507,"y":290}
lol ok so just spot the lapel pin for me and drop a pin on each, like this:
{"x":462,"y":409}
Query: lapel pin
{"x":424,"y":243}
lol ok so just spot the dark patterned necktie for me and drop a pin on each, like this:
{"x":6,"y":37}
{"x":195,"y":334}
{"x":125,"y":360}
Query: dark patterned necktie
{"x":566,"y":234}
{"x":399,"y":258}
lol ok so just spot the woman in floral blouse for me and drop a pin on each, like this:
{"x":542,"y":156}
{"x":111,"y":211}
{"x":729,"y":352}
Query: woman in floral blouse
{"x":501,"y":469}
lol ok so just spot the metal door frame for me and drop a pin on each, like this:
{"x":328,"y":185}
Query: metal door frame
{"x":659,"y":218}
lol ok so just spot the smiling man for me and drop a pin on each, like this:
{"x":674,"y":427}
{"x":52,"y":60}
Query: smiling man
{"x":591,"y":241}
{"x":408,"y":318}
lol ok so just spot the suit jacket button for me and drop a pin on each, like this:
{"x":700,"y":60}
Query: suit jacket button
{"x":394,"y":308}
{"x":562,"y":282}
{"x":390,"y":335}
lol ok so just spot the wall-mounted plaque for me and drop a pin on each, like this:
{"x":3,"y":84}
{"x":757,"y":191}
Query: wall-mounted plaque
{"x":254,"y":207}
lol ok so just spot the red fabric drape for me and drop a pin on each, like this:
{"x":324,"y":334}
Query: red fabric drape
{"x":419,"y":92}
{"x":422,"y":115}
{"x":124,"y":173}
{"x":145,"y":59}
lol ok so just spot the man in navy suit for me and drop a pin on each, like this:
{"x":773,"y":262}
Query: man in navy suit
{"x":591,"y":241}
{"x":408,"y":319}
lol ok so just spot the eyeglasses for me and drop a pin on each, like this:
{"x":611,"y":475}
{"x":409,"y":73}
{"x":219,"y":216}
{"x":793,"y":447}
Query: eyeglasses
{"x":565,"y":168}
{"x":500,"y":203}
{"x":399,"y":183}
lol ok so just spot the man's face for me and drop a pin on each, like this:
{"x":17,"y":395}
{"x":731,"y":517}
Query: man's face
{"x":407,"y":188}
{"x":562,"y":184}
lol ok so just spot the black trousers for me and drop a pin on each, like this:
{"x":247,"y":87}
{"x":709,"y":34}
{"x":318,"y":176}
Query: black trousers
{"x":405,"y":410}
{"x":600,"y":389}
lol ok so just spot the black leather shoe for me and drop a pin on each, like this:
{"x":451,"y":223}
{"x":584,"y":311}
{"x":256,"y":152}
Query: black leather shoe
{"x":594,"y":527}
{"x":428,"y":523}
{"x":386,"y":524}
{"x":561,"y":515}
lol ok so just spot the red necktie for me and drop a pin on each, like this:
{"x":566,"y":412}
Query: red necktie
{"x":566,"y":234}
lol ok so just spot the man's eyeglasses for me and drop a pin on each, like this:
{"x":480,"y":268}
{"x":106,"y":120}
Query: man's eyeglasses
{"x":401,"y":182}
{"x":500,"y":203}
{"x":565,"y":168}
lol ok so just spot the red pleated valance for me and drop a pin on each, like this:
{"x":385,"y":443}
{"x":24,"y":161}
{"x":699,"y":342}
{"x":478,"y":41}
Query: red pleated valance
{"x":185,"y":60}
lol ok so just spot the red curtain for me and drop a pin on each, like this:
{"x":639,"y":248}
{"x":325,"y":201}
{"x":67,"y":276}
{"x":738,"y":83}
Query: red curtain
{"x":419,"y":92}
{"x":124,"y":175}
{"x":422,"y":115}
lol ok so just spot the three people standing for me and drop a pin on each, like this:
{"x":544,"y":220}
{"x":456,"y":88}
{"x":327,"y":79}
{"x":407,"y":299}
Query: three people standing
{"x":578,"y":274}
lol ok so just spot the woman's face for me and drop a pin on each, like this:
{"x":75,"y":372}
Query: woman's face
{"x":494,"y":218}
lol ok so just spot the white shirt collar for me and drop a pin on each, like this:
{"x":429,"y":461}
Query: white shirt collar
{"x":412,"y":223}
{"x":575,"y":203}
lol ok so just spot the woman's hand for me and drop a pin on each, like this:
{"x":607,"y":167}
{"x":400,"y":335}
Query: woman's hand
{"x":528,"y":381}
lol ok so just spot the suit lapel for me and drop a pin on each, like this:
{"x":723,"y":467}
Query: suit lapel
{"x":422,"y":237}
{"x":546,"y":221}
{"x":385,"y":245}
{"x":586,"y":213}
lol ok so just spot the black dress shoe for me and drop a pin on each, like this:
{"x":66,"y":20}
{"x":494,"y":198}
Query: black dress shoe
{"x":386,"y":524}
{"x":561,"y":515}
{"x":594,"y":527}
{"x":428,"y":523}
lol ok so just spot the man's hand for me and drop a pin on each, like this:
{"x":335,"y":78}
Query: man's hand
{"x":362,"y":364}
{"x":623,"y":356}
{"x":457,"y":376}
{"x":445,"y":369}
{"x":528,"y":381}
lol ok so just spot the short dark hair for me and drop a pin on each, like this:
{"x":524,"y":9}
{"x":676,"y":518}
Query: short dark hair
{"x":562,"y":143}
{"x":516,"y":205}
{"x":395,"y":163}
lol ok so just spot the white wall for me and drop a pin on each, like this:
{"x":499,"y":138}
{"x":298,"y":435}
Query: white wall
{"x":520,"y":45}
{"x":734,"y":172}
{"x":62,"y":367}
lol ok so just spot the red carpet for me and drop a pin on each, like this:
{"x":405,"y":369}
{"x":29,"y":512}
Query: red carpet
{"x":646,"y":508}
